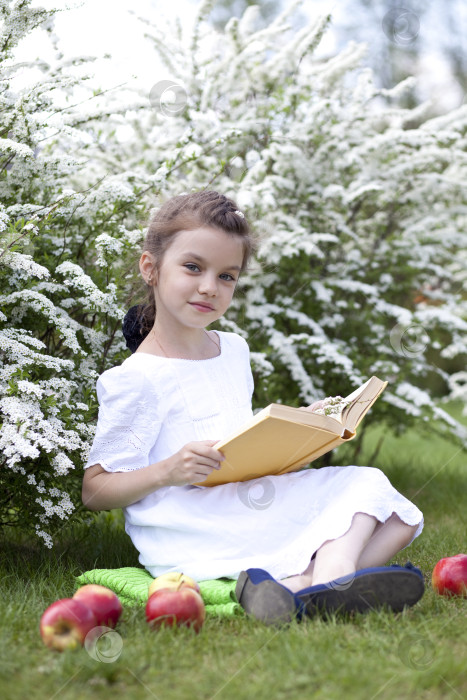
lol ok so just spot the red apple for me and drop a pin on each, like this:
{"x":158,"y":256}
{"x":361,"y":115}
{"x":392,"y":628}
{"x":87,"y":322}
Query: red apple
{"x":172,"y":580}
{"x":103,"y":602}
{"x":65,"y":624}
{"x":449,"y":576}
{"x":176,"y":607}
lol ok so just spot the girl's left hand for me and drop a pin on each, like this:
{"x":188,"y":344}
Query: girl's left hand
{"x":313,"y":406}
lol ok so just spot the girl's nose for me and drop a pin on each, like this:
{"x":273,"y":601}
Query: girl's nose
{"x":208,"y":284}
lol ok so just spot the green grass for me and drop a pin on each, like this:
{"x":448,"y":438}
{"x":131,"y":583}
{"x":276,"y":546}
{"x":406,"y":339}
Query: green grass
{"x":421,"y":653}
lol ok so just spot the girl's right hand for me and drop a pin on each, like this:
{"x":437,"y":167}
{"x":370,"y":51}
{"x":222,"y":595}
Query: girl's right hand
{"x":193,"y":463}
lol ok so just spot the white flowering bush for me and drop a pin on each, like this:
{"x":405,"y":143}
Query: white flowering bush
{"x":361,"y":218}
{"x":66,"y":229}
{"x":362,"y":264}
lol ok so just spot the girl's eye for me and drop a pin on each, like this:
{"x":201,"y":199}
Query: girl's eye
{"x":226,"y":276}
{"x":230,"y":278}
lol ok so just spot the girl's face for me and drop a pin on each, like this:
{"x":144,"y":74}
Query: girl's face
{"x":197,"y":277}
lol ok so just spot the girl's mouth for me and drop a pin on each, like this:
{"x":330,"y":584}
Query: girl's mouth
{"x":201,"y":307}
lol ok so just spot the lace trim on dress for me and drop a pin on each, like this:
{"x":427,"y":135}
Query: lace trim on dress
{"x":121,"y":469}
{"x":110,"y":448}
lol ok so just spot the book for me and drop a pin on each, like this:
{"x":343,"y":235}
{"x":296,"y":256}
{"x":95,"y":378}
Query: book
{"x":280,"y":439}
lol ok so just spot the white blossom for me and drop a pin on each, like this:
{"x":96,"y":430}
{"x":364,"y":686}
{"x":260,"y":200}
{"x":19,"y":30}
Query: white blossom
{"x":20,"y":262}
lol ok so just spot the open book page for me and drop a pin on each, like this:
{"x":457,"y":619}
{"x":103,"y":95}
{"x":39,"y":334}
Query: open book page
{"x":357,"y":392}
{"x":350,"y":410}
{"x":361,"y":401}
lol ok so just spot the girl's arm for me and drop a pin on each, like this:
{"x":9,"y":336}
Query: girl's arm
{"x":103,"y":490}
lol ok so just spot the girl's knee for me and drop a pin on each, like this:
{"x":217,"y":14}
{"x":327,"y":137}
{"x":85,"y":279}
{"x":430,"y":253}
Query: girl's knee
{"x":411,"y":531}
{"x":404,"y":532}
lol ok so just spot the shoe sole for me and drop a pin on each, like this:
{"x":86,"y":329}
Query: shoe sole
{"x":267,"y":601}
{"x":395,"y":590}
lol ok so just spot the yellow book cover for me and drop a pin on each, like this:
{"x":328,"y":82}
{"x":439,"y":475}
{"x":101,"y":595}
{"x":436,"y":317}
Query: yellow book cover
{"x":281,"y":439}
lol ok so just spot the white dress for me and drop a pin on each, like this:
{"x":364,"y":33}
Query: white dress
{"x":151,"y":406}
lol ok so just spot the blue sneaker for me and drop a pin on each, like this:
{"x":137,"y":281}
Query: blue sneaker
{"x":261,"y":596}
{"x":394,"y":587}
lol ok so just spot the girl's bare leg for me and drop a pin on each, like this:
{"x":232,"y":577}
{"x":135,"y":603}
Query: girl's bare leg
{"x":367,"y":543}
{"x":339,"y":557}
{"x":387,"y":540}
{"x":336,"y":558}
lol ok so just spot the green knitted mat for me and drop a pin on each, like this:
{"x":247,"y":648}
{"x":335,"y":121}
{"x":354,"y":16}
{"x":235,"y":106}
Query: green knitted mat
{"x":131,"y":585}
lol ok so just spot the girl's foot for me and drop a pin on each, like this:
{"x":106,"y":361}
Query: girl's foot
{"x":297,"y":583}
{"x":394,"y":587}
{"x":261,"y":596}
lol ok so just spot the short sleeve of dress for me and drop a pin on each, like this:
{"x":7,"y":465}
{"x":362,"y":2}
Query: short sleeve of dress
{"x":128,"y":424}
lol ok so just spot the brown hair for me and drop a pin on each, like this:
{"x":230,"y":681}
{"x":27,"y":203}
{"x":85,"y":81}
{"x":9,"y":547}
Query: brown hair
{"x":187,"y":212}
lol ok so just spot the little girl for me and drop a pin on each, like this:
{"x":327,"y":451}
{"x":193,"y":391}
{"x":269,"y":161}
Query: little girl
{"x":321,"y":540}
